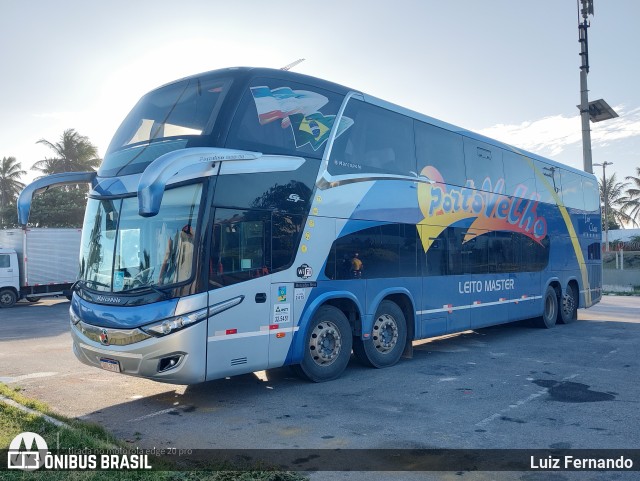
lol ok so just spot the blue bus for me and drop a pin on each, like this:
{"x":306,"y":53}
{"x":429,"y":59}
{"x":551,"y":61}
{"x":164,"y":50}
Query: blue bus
{"x":246,"y":219}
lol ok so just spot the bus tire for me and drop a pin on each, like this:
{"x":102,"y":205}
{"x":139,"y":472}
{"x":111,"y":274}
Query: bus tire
{"x":8,"y":298}
{"x":568,"y":306}
{"x":388,"y":337}
{"x":549,"y":310}
{"x":327,"y":346}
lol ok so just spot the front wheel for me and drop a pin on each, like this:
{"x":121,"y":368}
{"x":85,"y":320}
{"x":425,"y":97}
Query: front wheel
{"x":387,"y":339}
{"x":327,"y":346}
{"x":7,"y":298}
{"x":568,"y":305}
{"x":550,"y":310}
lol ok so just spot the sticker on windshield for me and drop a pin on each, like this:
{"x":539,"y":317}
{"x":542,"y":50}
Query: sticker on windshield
{"x":118,"y":281}
{"x":300,"y":111}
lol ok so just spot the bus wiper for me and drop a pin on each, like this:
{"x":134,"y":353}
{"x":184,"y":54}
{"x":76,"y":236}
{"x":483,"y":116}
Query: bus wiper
{"x":163,"y":293}
{"x":85,"y":283}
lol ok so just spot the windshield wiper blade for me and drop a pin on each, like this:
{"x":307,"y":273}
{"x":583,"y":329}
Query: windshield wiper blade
{"x":85,"y":283}
{"x":162,"y":292}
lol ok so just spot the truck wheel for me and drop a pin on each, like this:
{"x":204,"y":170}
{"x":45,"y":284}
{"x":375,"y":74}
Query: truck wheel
{"x":387,"y":339}
{"x":32,"y":299}
{"x":327,"y":346}
{"x":7,"y":298}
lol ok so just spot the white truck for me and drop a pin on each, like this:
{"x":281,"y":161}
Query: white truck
{"x":37,"y":262}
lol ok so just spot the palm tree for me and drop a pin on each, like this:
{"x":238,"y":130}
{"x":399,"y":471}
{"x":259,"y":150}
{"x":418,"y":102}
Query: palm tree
{"x":632,"y":202}
{"x":614,"y":202}
{"x":10,"y":186}
{"x":10,"y":172}
{"x":73,"y":153}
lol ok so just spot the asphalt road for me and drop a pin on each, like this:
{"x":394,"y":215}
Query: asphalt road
{"x":512,"y":386}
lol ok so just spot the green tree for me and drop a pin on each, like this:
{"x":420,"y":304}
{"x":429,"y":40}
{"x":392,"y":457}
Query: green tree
{"x":614,"y":202}
{"x":73,"y":153}
{"x":10,"y":186}
{"x":632,"y":202}
{"x":58,"y":207}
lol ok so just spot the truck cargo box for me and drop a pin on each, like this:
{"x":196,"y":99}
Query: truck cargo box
{"x":45,"y":256}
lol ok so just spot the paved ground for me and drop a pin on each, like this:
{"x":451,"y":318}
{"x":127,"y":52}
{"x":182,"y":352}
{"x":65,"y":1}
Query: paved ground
{"x":512,"y":386}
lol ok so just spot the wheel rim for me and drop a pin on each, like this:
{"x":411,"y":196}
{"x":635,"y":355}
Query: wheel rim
{"x":550,"y":308}
{"x":385,"y":333}
{"x":325,"y":343}
{"x":568,"y":304}
{"x":6,"y":298}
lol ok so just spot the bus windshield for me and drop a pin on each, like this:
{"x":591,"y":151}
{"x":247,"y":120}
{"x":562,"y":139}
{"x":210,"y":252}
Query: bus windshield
{"x":164,"y":120}
{"x":122,"y":251}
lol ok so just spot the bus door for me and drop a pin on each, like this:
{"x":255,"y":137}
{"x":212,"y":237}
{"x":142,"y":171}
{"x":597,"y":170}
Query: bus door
{"x":239,"y":302}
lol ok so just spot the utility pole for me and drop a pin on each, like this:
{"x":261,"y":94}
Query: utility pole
{"x":606,"y":202}
{"x":585,"y":11}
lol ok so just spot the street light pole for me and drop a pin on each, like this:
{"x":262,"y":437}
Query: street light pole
{"x":606,"y":202}
{"x":587,"y":9}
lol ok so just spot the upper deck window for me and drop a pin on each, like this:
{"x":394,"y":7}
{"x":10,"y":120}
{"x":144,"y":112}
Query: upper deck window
{"x":379,"y":141}
{"x":166,"y":119}
{"x":282,"y":117}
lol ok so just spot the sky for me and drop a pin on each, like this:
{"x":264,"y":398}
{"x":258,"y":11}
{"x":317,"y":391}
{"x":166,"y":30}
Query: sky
{"x":508,"y":69}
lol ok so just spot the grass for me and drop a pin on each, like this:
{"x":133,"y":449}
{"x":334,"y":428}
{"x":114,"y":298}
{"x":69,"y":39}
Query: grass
{"x":83,"y":435}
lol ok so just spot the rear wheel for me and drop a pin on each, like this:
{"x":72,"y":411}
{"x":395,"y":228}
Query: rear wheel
{"x":7,"y":298}
{"x":327,"y":346}
{"x":387,"y":339}
{"x":550,"y":312}
{"x":32,"y":299}
{"x":568,"y":305}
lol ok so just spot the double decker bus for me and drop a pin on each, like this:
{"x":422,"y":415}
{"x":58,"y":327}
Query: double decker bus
{"x":247,"y":219}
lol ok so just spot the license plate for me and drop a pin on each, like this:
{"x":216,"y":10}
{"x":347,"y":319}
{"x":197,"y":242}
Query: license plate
{"x":110,"y":365}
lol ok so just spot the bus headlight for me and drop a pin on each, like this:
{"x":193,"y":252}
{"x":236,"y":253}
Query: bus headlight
{"x":173,"y":324}
{"x":74,"y":317}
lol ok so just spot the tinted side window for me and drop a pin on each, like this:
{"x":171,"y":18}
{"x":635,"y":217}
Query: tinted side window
{"x":476,"y":251}
{"x":553,"y":182}
{"x":379,"y":141}
{"x":380,"y":251}
{"x":269,"y":190}
{"x":239,"y":248}
{"x":572,"y":195}
{"x":483,"y":164}
{"x":442,"y":150}
{"x":591,"y":194}
{"x":278,"y":116}
{"x":519,"y":176}
{"x":251,"y":243}
{"x":4,"y":260}
{"x":286,"y":230}
{"x":492,"y":252}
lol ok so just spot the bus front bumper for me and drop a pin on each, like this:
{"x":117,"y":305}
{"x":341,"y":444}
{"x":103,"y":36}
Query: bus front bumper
{"x":178,"y":358}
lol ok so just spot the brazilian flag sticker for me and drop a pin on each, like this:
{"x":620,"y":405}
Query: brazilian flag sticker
{"x":314,"y":128}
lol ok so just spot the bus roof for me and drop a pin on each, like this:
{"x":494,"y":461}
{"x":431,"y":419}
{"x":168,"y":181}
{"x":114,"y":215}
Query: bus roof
{"x":247,"y":73}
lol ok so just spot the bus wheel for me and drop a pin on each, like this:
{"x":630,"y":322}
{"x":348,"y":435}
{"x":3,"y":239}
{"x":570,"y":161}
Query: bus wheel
{"x":550,"y":312}
{"x":568,"y":305}
{"x":7,"y":298}
{"x":387,"y":339}
{"x":327,"y":347}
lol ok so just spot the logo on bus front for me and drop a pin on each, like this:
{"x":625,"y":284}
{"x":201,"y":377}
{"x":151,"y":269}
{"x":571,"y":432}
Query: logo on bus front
{"x":304,"y":271}
{"x":104,"y":337}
